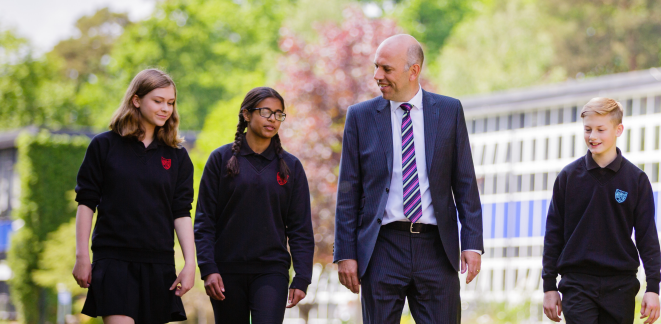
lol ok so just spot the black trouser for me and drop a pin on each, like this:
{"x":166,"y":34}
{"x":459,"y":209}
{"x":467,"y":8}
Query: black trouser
{"x":252,"y":298}
{"x":414,"y":267}
{"x":588,"y":299}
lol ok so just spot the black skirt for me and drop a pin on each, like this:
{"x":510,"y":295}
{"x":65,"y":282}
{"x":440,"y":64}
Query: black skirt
{"x":138,"y":290}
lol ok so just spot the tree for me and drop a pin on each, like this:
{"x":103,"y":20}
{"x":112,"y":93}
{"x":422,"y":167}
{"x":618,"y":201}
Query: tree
{"x":30,"y":90}
{"x":212,"y":49}
{"x":606,"y":36}
{"x":87,"y":55}
{"x":320,"y":80}
{"x":508,"y":44}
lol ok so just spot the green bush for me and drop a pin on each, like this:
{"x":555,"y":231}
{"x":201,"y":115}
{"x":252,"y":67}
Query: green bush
{"x":47,"y":166}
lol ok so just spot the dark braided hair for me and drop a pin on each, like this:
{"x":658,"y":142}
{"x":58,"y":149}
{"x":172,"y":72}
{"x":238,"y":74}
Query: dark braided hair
{"x":253,"y":97}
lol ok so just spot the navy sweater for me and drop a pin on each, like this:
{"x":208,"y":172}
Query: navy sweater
{"x":242,"y":223}
{"x":139,"y":192}
{"x":590,"y":222}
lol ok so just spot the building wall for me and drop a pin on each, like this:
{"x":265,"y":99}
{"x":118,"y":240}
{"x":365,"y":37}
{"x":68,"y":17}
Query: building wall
{"x":517,"y":154}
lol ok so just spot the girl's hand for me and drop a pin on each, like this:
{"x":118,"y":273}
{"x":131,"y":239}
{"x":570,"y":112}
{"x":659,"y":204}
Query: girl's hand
{"x":185,"y":280}
{"x":214,"y":286}
{"x":295,"y":296}
{"x":649,"y":307}
{"x":82,"y":272}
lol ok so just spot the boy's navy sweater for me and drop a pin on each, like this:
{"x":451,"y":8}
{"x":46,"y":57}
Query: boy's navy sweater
{"x":242,"y":223}
{"x":139,"y":193}
{"x":590,"y":222}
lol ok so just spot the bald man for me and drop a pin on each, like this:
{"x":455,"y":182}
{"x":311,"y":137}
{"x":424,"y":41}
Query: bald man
{"x":406,"y":170}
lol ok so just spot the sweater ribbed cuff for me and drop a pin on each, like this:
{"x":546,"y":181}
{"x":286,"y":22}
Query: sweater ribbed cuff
{"x":207,"y":269}
{"x":550,"y":284}
{"x":652,"y":286}
{"x":300,"y":284}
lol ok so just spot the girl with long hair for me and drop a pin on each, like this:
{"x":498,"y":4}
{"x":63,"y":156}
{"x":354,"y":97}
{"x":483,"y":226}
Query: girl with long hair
{"x":140,"y":179}
{"x":253,"y":200}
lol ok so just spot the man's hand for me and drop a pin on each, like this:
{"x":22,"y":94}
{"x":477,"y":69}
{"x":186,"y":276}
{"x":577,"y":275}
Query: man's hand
{"x":214,"y":286}
{"x":295,"y":296}
{"x":348,"y":272}
{"x":471,"y":261}
{"x":553,"y":305}
{"x":649,"y":307}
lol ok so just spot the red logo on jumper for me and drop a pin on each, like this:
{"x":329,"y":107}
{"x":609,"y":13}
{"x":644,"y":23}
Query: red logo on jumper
{"x":282,"y":181}
{"x":166,"y":163}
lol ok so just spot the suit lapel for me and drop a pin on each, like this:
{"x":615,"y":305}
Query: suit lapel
{"x":384,"y":130}
{"x":431,"y":122}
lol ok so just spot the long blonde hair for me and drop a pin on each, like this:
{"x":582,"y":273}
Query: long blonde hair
{"x":126,"y":121}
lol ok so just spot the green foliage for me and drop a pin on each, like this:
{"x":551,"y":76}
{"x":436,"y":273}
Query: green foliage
{"x":509,"y":44}
{"x":30,"y":90}
{"x":47,"y":165}
{"x":604,"y":37}
{"x":432,"y":21}
{"x":86,"y":56}
{"x":214,"y":50}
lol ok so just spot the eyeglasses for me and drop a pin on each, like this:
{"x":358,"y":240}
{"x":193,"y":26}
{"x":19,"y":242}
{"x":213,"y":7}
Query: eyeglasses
{"x":267,"y":113}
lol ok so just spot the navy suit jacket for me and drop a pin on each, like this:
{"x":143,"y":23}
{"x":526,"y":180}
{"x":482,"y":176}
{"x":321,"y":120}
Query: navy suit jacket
{"x":366,"y":169}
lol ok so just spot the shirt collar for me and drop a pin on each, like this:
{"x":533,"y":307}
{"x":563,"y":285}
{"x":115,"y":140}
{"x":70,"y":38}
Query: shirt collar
{"x":416,"y":101}
{"x":269,"y":153}
{"x":615,"y":165}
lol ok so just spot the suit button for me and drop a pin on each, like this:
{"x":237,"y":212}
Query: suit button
{"x":378,"y":220}
{"x":387,"y":190}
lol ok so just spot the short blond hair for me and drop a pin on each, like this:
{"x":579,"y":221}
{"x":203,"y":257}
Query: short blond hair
{"x":604,"y":106}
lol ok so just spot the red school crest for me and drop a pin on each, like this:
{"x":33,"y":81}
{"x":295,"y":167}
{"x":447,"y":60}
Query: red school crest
{"x":282,"y":181}
{"x":166,"y":163}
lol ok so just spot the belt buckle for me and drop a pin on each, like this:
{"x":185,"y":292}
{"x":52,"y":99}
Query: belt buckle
{"x":411,"y":229}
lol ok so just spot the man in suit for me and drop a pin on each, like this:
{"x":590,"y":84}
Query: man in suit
{"x":406,"y":161}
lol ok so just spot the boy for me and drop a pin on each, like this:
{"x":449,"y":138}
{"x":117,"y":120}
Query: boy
{"x":597,"y":201}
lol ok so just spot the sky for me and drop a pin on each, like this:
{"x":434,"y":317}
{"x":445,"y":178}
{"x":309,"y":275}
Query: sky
{"x":46,"y":22}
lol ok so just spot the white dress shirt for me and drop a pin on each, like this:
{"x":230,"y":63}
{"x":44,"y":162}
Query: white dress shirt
{"x":394,"y":211}
{"x":395,"y":205}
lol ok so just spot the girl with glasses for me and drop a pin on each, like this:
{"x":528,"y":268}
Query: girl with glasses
{"x":140,"y":179}
{"x":253,"y":200}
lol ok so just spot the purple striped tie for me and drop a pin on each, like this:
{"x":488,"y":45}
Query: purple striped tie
{"x":412,"y":199}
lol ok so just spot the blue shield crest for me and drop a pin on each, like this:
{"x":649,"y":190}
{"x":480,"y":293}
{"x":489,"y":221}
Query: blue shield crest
{"x":620,"y":196}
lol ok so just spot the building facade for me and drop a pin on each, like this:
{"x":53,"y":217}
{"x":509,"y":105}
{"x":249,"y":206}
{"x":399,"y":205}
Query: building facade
{"x":520,"y":141}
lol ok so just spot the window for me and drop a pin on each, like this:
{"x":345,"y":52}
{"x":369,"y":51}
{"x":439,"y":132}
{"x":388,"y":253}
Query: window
{"x":628,"y":110}
{"x":642,"y":139}
{"x":560,"y":115}
{"x":546,"y":149}
{"x":507,"y":182}
{"x":495,"y":154}
{"x":643,"y":106}
{"x":641,"y":166}
{"x":473,"y":126}
{"x":657,"y":104}
{"x":519,"y":182}
{"x":509,"y":121}
{"x":522,"y":120}
{"x":508,"y":155}
{"x":534,"y":119}
{"x":497,"y":123}
{"x":534,"y":149}
{"x":485,"y":123}
{"x":574,"y":114}
{"x":484,"y":153}
{"x":547,"y":117}
{"x":521,"y":151}
{"x":495,"y":184}
{"x":656,"y":137}
{"x":532,"y":182}
{"x":573,"y":145}
{"x":655,"y":172}
{"x":545,"y":180}
{"x":628,"y":145}
{"x":560,"y":147}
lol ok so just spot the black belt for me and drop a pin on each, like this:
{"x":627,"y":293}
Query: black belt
{"x":411,"y":227}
